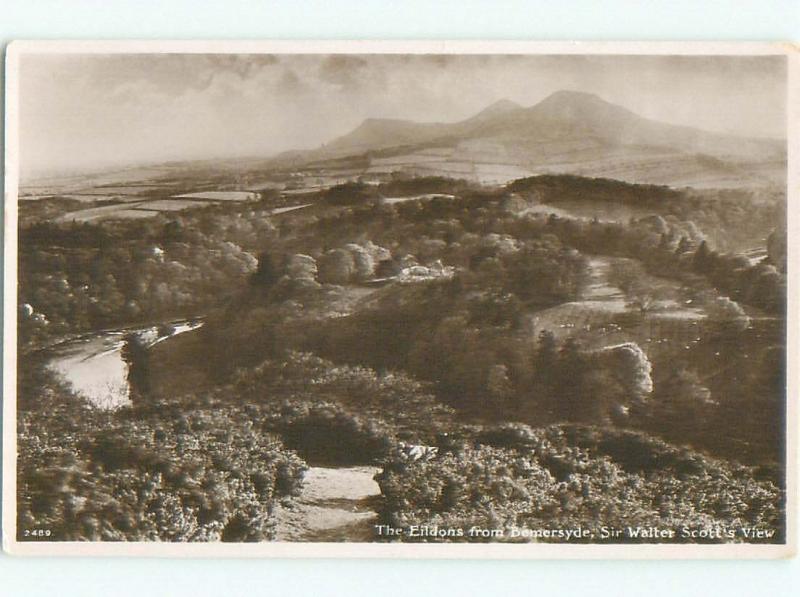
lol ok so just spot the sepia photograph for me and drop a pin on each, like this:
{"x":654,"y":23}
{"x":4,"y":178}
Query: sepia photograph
{"x":418,"y":299}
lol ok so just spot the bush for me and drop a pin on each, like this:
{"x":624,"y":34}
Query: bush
{"x":155,"y":474}
{"x":394,"y":401}
{"x":326,"y":433}
{"x":565,"y":477}
{"x":515,"y":436}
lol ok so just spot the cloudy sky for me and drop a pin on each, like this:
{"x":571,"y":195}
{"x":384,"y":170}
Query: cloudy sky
{"x":83,"y":112}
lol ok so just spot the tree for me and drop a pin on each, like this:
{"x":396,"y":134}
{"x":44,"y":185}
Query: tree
{"x":701,"y":260}
{"x":544,"y":373}
{"x":173,"y":231}
{"x":546,"y":351}
{"x":136,"y":355}
{"x":630,"y":277}
{"x":337,"y":267}
{"x":499,"y":386}
{"x":776,"y":249}
{"x":569,"y":392}
{"x":684,"y":246}
{"x":727,"y":315}
{"x":266,"y":273}
{"x":681,"y":403}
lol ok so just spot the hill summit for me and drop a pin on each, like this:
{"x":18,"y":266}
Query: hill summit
{"x":569,"y":131}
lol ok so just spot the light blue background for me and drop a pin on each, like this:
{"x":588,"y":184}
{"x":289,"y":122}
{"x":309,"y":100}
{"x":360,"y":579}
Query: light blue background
{"x":411,"y":19}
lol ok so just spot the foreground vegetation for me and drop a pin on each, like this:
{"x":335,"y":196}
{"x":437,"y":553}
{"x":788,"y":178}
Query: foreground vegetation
{"x":210,"y":466}
{"x":206,"y":466}
{"x":513,"y":480}
{"x":160,"y":472}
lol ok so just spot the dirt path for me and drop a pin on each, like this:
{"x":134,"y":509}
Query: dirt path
{"x":336,"y":504}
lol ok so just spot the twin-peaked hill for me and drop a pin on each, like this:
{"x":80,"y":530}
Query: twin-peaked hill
{"x":568,"y":132}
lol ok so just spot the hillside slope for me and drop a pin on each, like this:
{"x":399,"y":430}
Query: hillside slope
{"x":568,"y":132}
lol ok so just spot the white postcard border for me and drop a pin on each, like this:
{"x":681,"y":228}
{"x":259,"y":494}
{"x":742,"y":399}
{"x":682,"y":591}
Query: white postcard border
{"x":393,"y":550}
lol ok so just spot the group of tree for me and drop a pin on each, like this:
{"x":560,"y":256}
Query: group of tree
{"x":77,"y":277}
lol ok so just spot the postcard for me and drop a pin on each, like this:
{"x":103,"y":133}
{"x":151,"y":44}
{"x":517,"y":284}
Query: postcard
{"x":400,"y":299}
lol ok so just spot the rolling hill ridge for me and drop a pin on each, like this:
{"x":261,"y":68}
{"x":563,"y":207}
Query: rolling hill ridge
{"x":567,"y":132}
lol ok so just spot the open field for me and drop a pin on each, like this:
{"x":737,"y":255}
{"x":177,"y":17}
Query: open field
{"x":604,"y":316}
{"x":107,"y":212}
{"x":220,"y":196}
{"x":78,"y":183}
{"x":169,"y":205}
{"x":121,"y":190}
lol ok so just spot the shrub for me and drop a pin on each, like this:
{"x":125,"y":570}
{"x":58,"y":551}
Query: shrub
{"x":154,"y":474}
{"x":394,"y":400}
{"x":565,"y":477}
{"x":325,"y":433}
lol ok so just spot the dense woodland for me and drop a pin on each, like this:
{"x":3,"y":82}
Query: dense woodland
{"x":334,"y":333}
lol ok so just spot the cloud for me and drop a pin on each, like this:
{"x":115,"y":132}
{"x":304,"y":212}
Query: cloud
{"x":85,"y":111}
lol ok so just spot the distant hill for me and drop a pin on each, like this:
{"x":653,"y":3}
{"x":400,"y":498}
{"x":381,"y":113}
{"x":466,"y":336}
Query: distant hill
{"x":568,"y":132}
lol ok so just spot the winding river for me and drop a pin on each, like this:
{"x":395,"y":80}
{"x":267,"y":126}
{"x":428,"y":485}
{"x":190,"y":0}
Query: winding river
{"x":93,"y":364}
